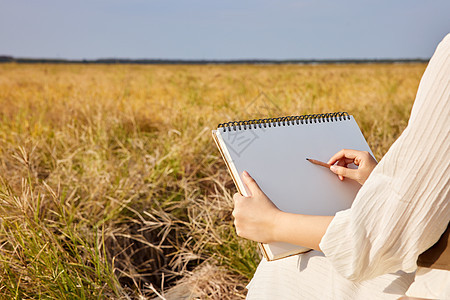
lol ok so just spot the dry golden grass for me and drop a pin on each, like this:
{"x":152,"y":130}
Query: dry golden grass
{"x":110,"y":183}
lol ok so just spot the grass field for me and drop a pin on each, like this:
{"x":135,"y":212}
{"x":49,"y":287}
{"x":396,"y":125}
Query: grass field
{"x":111,"y":185}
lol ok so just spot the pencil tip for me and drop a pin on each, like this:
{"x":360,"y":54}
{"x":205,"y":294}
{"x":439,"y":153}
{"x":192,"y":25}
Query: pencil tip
{"x":307,"y":159}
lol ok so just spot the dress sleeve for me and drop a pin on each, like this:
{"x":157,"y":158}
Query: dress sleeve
{"x":403,"y":207}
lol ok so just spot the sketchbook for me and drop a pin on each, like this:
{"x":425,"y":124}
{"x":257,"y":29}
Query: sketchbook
{"x":274,"y":152}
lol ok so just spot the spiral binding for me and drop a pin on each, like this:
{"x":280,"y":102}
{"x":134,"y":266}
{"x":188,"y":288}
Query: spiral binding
{"x":284,"y":121}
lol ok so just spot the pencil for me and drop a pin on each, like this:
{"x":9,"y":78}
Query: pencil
{"x":317,"y":162}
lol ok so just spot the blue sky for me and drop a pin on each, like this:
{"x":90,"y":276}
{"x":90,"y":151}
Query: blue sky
{"x":201,"y":29}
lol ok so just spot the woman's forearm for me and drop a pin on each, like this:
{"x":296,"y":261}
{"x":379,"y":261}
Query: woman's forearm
{"x":304,"y":230}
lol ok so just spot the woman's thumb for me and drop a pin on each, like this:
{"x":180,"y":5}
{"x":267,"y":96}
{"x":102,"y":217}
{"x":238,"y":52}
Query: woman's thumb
{"x":346,"y":172}
{"x":250,"y":183}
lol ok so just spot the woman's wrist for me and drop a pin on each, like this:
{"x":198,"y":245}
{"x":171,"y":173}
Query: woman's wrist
{"x":276,"y":227}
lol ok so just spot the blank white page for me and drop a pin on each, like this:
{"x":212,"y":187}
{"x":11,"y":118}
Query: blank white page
{"x":276,"y":158}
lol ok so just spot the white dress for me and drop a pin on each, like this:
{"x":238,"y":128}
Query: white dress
{"x":370,"y":250}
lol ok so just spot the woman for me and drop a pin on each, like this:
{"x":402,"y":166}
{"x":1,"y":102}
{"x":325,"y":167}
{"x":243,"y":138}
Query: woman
{"x":370,"y":250}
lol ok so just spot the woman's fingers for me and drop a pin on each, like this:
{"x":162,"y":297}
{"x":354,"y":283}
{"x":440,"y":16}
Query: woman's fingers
{"x":344,"y":154}
{"x":365,"y":162}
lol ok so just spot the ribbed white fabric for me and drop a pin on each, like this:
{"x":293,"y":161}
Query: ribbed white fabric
{"x":401,"y":210}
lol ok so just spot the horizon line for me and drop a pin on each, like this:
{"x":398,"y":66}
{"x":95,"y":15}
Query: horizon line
{"x":12,"y":59}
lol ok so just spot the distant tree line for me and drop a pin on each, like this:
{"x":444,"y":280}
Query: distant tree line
{"x":11,"y":59}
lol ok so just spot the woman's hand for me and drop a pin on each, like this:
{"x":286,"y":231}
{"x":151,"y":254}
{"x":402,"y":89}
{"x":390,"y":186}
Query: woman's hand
{"x":255,"y":216}
{"x":258,"y":219}
{"x":365,"y":162}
